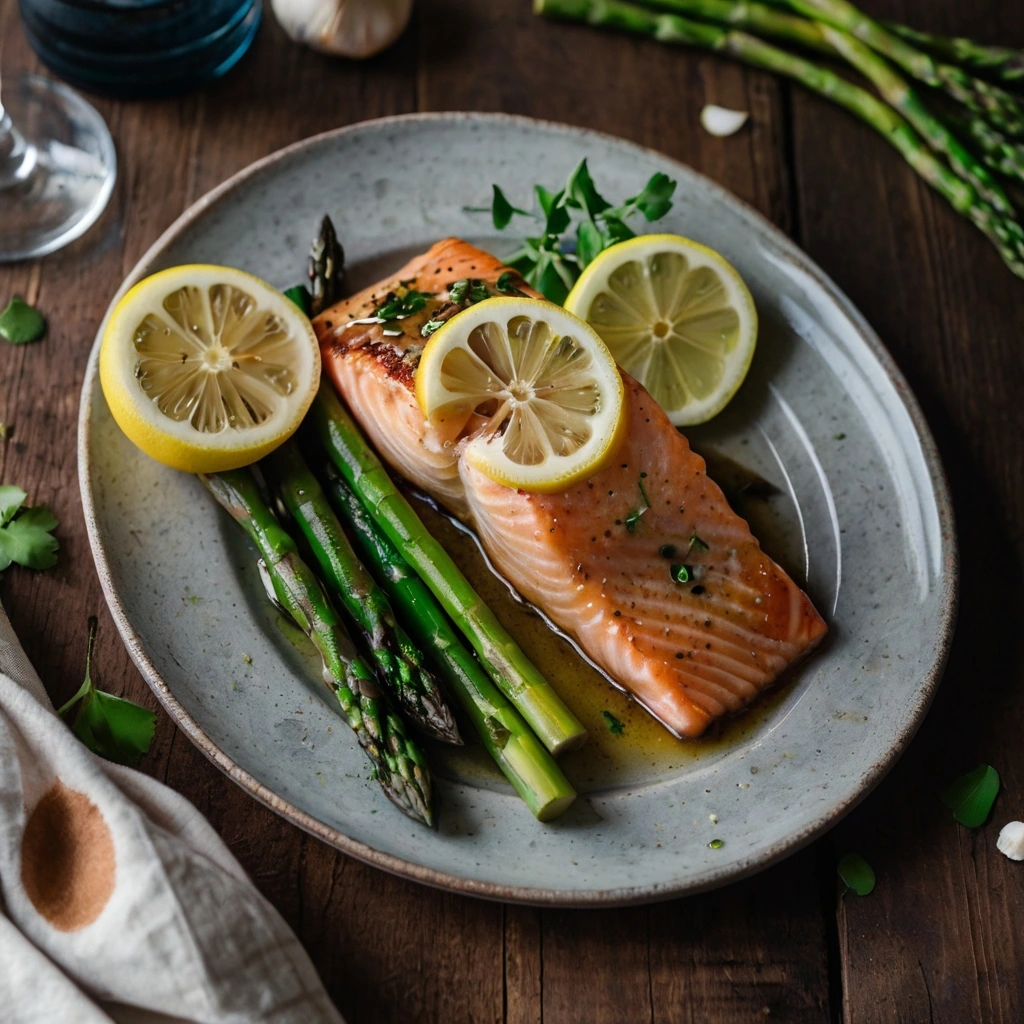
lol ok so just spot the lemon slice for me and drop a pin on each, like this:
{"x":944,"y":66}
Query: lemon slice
{"x":676,"y":316}
{"x":534,"y":386}
{"x":208,"y":368}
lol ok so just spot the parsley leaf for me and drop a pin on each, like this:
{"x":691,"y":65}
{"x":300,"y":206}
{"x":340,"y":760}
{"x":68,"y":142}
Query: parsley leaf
{"x":681,"y":573}
{"x":396,"y":306}
{"x":633,"y":519}
{"x":505,"y":285}
{"x":857,"y":874}
{"x":25,"y":533}
{"x":502,"y":210}
{"x":970,"y":797}
{"x":299,"y":294}
{"x":21,"y":323}
{"x":110,"y":726}
{"x":614,"y":725}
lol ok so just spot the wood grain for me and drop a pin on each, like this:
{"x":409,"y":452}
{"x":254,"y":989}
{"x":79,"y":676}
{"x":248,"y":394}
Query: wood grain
{"x":939,"y":940}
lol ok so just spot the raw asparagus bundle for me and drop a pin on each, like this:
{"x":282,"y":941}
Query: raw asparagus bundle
{"x":555,"y":725}
{"x":508,"y":739}
{"x":1002,"y":228}
{"x":398,"y":764}
{"x":399,"y":662}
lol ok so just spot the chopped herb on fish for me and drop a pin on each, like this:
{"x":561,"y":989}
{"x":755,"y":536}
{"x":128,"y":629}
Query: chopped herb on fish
{"x":643,"y":490}
{"x":505,"y":285}
{"x":614,"y":725}
{"x":681,"y":573}
{"x":697,"y":543}
{"x":395,"y":306}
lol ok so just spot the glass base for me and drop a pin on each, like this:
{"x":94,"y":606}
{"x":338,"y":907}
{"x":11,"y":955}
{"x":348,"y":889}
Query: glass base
{"x":57,"y":167}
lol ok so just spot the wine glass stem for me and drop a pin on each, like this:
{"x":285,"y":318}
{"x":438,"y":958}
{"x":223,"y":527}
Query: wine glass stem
{"x":17,"y":157}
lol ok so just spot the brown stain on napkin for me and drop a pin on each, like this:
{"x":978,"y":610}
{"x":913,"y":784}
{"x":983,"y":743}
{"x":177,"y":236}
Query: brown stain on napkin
{"x":67,"y":859}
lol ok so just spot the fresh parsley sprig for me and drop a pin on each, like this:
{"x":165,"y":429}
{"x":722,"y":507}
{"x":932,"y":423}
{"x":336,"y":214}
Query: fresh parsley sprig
{"x":115,"y":728}
{"x":578,"y":224}
{"x":26,"y":534}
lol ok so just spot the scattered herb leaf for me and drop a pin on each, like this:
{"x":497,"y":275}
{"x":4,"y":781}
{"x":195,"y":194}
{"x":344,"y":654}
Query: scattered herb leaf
{"x":614,"y":725}
{"x":643,"y":490}
{"x":857,"y":874}
{"x":299,"y":294}
{"x":21,"y":323}
{"x":696,"y":542}
{"x":840,"y":437}
{"x":396,"y":306}
{"x":25,"y":533}
{"x":110,"y":726}
{"x":505,"y":285}
{"x":681,"y":573}
{"x":430,"y":327}
{"x":633,"y":519}
{"x":667,"y":551}
{"x":468,"y":290}
{"x":716,"y":844}
{"x":970,"y":798}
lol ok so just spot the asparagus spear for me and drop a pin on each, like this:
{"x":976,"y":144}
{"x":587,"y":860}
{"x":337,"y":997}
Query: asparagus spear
{"x":326,"y":269}
{"x":400,"y":663}
{"x":1002,"y":110}
{"x":555,"y":725}
{"x":999,"y":62}
{"x":1002,"y":230}
{"x":1000,"y":153}
{"x":897,"y":92}
{"x":518,"y":753}
{"x":398,"y":764}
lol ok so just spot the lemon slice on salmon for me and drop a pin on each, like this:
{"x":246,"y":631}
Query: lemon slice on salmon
{"x":534,"y":387}
{"x":208,"y":368}
{"x":676,"y":316}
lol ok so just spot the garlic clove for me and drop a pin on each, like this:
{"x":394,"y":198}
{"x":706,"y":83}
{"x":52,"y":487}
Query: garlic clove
{"x":347,"y":28}
{"x":1011,"y":840}
{"x":721,"y":121}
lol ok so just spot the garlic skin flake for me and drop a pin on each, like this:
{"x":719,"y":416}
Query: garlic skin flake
{"x":346,"y":28}
{"x":721,"y":121}
{"x":1011,"y":840}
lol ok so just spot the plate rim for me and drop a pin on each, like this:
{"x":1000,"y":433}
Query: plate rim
{"x":619,"y":896}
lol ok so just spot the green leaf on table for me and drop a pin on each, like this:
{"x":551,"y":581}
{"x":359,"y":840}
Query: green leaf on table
{"x":857,"y":874}
{"x":970,"y":798}
{"x":21,"y":323}
{"x":115,"y":728}
{"x":25,"y":533}
{"x":502,"y":210}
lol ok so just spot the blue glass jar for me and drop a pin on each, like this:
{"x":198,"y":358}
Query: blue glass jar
{"x":140,"y":48}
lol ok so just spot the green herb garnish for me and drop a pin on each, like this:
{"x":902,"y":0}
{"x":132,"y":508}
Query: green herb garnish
{"x":633,"y":519}
{"x":856,"y":874}
{"x":430,"y":326}
{"x":696,"y":542}
{"x":716,"y":844}
{"x":110,"y":726}
{"x":643,"y":490}
{"x":397,"y":306}
{"x":551,"y":261}
{"x":614,"y":725}
{"x":21,"y":323}
{"x":970,"y":798}
{"x":299,"y":294}
{"x":681,"y":573}
{"x":468,"y":290}
{"x":25,"y":533}
{"x":505,"y":286}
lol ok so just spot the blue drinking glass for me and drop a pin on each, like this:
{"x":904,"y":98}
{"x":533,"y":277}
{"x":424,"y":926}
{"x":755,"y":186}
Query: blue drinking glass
{"x":133,"y":49}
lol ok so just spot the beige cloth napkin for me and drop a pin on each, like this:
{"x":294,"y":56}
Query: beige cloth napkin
{"x":121,"y":902}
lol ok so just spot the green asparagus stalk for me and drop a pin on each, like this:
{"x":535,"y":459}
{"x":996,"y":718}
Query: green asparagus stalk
{"x":999,"y":62}
{"x":400,"y":663}
{"x":326,"y":269}
{"x":555,"y":725}
{"x":516,"y":750}
{"x":398,"y":764}
{"x":1002,"y":110}
{"x":1002,"y":230}
{"x":897,"y":92}
{"x":1000,"y":153}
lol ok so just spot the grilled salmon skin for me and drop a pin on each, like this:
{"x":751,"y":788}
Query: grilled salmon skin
{"x":644,"y":564}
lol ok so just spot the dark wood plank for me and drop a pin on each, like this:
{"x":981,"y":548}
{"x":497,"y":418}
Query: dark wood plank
{"x":936,"y":942}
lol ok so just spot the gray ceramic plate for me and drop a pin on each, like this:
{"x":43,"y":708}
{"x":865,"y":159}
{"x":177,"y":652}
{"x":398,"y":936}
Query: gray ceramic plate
{"x":859,"y":504}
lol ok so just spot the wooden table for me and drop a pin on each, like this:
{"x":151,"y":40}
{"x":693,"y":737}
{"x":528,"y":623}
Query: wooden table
{"x":942,"y":938}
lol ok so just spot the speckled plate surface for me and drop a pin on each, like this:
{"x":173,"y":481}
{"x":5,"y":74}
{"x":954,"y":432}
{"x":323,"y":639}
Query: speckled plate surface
{"x":824,"y":416}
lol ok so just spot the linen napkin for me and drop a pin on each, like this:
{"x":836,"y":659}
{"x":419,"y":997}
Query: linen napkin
{"x":119,"y":901}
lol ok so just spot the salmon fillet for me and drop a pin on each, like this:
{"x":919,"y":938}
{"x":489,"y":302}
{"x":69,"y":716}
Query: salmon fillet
{"x":596,"y":558}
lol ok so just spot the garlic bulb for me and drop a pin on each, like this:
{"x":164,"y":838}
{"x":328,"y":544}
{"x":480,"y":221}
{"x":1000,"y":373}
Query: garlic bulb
{"x":720,"y":121}
{"x":348,"y":28}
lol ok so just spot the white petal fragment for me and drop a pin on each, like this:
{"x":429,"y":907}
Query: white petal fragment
{"x":721,"y":121}
{"x":1011,"y":840}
